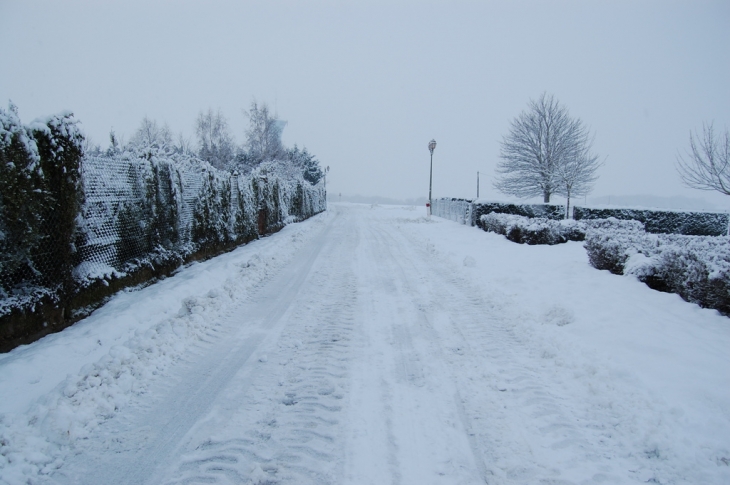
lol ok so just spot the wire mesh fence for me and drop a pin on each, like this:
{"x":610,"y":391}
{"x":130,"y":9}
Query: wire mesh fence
{"x":124,"y":199}
{"x":142,"y":212}
{"x":459,"y":210}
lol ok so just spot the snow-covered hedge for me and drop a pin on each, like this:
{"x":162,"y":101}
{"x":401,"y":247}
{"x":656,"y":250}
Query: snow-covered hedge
{"x":469,"y":212}
{"x":539,"y":230}
{"x":75,"y":229}
{"x":695,"y":267}
{"x":546,"y":211}
{"x":663,"y":221}
{"x":465,"y":211}
{"x":40,"y":196}
{"x":525,"y":230}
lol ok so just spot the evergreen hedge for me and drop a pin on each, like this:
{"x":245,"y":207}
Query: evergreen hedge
{"x":539,"y":230}
{"x":663,"y":222}
{"x":76,"y":229}
{"x":697,"y":268}
{"x":546,"y":211}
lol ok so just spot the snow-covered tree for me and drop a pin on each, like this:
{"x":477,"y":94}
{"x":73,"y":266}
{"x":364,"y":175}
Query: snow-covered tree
{"x":60,"y":147}
{"x":151,"y":138}
{"x":184,"y":145}
{"x":215,"y":143}
{"x":707,"y":164}
{"x":543,"y":141}
{"x":576,"y":175}
{"x":115,"y":144}
{"x":20,"y":206}
{"x":263,"y":137}
{"x":40,"y":197}
{"x":307,"y":163}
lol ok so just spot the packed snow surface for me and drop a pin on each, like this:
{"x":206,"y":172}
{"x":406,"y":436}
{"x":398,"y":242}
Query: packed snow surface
{"x":373,"y":345}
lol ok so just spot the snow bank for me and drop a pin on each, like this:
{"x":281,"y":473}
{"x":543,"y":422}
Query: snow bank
{"x":66,"y":384}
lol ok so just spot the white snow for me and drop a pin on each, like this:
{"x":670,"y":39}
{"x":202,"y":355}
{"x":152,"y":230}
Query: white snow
{"x":373,"y":345}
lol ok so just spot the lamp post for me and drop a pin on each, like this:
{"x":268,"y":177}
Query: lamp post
{"x":431,"y":146}
{"x":327,"y":169}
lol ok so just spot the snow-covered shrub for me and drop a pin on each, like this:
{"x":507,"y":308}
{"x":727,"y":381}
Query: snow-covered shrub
{"x":212,"y":211}
{"x":244,"y":221}
{"x":538,"y":230}
{"x":609,"y":248}
{"x":546,"y":211}
{"x":611,"y":224}
{"x":663,"y":221}
{"x":20,"y":206}
{"x":40,"y":196}
{"x":60,"y":147}
{"x":695,"y":267}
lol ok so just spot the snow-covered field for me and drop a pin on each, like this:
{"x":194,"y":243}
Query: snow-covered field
{"x":373,"y":345}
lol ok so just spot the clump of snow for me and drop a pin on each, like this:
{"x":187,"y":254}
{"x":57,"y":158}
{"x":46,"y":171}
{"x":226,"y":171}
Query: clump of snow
{"x":89,"y":271}
{"x":12,"y":130}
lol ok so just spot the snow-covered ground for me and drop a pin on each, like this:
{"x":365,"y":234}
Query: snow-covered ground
{"x":373,"y":345}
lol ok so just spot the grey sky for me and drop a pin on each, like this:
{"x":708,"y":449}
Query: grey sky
{"x":366,"y":85}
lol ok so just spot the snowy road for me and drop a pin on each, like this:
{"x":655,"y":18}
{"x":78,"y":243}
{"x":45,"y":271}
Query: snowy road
{"x":388,"y":348}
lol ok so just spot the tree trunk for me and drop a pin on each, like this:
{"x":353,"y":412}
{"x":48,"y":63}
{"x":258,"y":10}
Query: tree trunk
{"x":546,"y":197}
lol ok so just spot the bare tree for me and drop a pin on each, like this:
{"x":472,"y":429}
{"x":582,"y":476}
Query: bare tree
{"x":707,"y":166}
{"x":150,"y":135}
{"x":184,"y":145}
{"x":576,"y":175}
{"x":542,"y":141}
{"x":215,"y":142}
{"x":263,"y":137}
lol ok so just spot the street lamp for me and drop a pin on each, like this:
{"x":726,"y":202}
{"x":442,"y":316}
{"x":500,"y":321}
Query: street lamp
{"x":431,"y":146}
{"x":325,"y":181}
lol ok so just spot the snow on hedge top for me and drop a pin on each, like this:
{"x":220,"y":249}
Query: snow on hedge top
{"x":11,"y":129}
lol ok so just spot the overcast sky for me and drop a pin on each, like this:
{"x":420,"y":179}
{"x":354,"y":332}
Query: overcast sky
{"x":365,"y":85}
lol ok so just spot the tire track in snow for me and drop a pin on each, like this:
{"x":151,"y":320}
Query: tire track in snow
{"x":137,"y":449}
{"x":291,"y":417}
{"x":533,"y":419}
{"x":420,"y":287}
{"x":492,"y":366}
{"x":415,"y":421}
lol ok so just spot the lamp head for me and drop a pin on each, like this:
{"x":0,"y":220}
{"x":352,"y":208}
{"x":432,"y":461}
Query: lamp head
{"x":431,"y":146}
